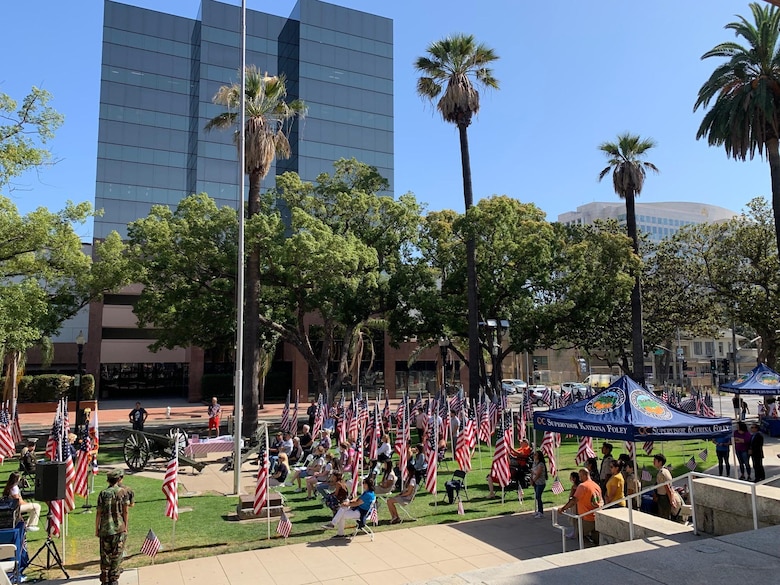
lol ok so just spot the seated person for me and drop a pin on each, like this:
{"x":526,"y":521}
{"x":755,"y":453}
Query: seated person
{"x":404,"y":498}
{"x":273,"y":452}
{"x":282,"y":471}
{"x":296,"y":454}
{"x":325,"y":441}
{"x":518,"y":466}
{"x":314,"y":467}
{"x":322,"y":476}
{"x":346,"y":456}
{"x":307,"y":443}
{"x":385,"y":448}
{"x":354,"y":509}
{"x":337,"y":494}
{"x":387,"y":479}
{"x":417,"y":458}
{"x":27,"y":460}
{"x":12,"y":491}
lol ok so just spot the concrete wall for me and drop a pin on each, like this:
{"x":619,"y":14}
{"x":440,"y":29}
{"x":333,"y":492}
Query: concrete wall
{"x":726,"y":508}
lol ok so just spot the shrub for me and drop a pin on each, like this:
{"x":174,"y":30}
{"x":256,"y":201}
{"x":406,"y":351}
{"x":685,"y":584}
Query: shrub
{"x":52,"y":387}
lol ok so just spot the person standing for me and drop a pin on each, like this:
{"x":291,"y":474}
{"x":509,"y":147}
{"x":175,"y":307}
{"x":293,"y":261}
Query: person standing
{"x":111,"y":526}
{"x":312,"y":412}
{"x":756,"y":452}
{"x":722,"y":450}
{"x":736,"y":403}
{"x":138,"y":417}
{"x":587,"y":497}
{"x":539,"y":481}
{"x":663,"y":493}
{"x":616,"y":485}
{"x":215,"y":410}
{"x":743,"y":410}
{"x":606,"y":465}
{"x":741,"y":445}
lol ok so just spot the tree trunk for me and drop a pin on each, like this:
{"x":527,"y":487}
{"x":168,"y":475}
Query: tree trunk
{"x":773,"y":152}
{"x":12,"y":358}
{"x":471,"y":268}
{"x":637,"y":343}
{"x":252,"y":354}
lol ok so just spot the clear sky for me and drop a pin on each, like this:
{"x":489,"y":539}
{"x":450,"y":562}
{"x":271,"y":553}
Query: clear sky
{"x":573,"y":74}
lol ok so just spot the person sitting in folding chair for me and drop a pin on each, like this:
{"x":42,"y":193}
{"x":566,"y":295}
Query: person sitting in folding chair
{"x":404,"y":498}
{"x":387,"y":479}
{"x":352,"y":509}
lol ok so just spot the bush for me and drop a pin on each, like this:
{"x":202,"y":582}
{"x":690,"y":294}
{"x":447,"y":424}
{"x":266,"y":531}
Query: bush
{"x":52,"y":387}
{"x":219,"y":385}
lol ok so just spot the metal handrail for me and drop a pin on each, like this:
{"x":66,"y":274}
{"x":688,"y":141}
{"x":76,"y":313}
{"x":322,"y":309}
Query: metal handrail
{"x":689,"y":477}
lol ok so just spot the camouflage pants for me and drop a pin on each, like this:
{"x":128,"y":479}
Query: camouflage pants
{"x":111,"y":549}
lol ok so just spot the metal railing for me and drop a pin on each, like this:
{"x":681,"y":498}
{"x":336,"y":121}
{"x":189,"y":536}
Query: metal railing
{"x":689,"y":477}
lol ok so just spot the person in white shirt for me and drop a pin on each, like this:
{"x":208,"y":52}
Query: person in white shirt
{"x":12,"y":491}
{"x":385,"y":448}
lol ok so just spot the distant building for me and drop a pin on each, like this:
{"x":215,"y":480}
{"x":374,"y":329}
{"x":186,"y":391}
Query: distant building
{"x":657,"y":220}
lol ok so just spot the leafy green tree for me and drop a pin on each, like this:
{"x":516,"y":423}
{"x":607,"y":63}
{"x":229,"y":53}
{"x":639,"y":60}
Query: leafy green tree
{"x":628,"y":177}
{"x":268,"y":120}
{"x":46,"y":278}
{"x":449,"y":73}
{"x":745,"y":116}
{"x":30,"y":125}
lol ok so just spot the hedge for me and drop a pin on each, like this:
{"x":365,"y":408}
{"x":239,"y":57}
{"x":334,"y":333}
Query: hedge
{"x":52,"y":387}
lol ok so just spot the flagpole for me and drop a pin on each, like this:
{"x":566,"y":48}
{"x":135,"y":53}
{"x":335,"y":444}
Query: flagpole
{"x":176,"y":488}
{"x":436,"y":451}
{"x":268,"y":491}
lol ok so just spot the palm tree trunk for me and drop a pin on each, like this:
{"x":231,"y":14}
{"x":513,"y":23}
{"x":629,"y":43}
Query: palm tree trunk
{"x":252,"y":353}
{"x":471,"y":268}
{"x":772,"y":147}
{"x":637,"y":343}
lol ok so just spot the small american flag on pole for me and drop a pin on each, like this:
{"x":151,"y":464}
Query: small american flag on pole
{"x":461,"y":511}
{"x":648,"y":447}
{"x":170,"y":488}
{"x":284,"y":527}
{"x":646,"y":475}
{"x":557,"y":487}
{"x":151,"y":545}
{"x":373,"y":516}
{"x":585,"y":451}
{"x":703,"y":454}
{"x":691,"y":464}
{"x":261,"y":490}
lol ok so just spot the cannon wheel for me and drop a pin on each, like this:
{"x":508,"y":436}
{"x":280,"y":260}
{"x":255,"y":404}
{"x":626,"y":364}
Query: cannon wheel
{"x":182,"y":442}
{"x":136,"y":451}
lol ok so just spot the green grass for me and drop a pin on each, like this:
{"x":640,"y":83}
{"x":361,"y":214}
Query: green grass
{"x":206,"y":530}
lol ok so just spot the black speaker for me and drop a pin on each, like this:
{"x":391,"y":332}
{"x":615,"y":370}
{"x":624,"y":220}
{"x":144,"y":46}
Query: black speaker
{"x":50,"y":481}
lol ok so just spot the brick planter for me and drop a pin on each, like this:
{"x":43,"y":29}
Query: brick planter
{"x":38,"y":407}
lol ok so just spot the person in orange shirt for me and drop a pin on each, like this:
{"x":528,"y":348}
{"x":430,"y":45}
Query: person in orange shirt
{"x":587,"y":498}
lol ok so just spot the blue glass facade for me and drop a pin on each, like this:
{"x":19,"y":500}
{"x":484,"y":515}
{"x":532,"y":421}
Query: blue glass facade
{"x":160,"y":73}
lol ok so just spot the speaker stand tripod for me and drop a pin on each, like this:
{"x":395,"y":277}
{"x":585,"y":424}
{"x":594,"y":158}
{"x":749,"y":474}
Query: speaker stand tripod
{"x":51,"y":552}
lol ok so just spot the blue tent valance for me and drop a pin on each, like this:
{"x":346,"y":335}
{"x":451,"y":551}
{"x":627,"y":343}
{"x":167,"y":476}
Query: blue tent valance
{"x":626,"y":411}
{"x":760,"y":380}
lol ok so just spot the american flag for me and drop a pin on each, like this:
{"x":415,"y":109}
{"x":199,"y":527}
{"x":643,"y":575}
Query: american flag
{"x":55,"y":517}
{"x":151,"y":545}
{"x":484,"y":430}
{"x":353,"y":415}
{"x":521,"y":425}
{"x":65,"y":417}
{"x":665,"y":395}
{"x":82,"y":466}
{"x":170,"y":488}
{"x":703,"y":454}
{"x":55,"y":435}
{"x":461,"y":511}
{"x":557,"y":487}
{"x":386,"y":411}
{"x":94,"y":465}
{"x":373,"y":516}
{"x":444,"y":413}
{"x":548,"y":448}
{"x":691,"y":464}
{"x":432,"y":458}
{"x":284,"y":527}
{"x":286,"y":414}
{"x":456,"y":402}
{"x":648,"y":447}
{"x":629,"y":448}
{"x":319,"y":418}
{"x":376,"y":428}
{"x":465,"y":442}
{"x":646,"y":475}
{"x":70,"y":476}
{"x":261,"y":490}
{"x":547,"y":395}
{"x":416,"y":407}
{"x":500,"y":467}
{"x":16,"y":427}
{"x":7,"y":443}
{"x":566,"y":397}
{"x":357,"y":463}
{"x":585,"y":451}
{"x":706,"y":407}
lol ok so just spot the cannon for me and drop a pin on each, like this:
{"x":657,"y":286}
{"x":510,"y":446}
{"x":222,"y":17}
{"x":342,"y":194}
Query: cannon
{"x":139,"y":447}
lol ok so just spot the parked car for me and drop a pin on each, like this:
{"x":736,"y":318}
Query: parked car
{"x":518,"y":385}
{"x":538,"y":392}
{"x":577,"y":389}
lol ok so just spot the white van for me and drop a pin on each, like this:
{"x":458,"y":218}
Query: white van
{"x":600,"y":380}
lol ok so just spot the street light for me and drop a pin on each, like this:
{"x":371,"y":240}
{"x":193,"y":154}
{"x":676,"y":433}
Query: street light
{"x":497,"y":329}
{"x":444,"y":344}
{"x":80,"y":341}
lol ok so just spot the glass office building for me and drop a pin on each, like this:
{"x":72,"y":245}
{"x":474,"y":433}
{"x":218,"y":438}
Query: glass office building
{"x":159,"y":75}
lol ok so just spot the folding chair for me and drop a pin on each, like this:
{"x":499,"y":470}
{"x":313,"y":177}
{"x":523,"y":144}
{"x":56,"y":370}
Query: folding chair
{"x":403,"y":507}
{"x":9,"y":562}
{"x":460,"y":475}
{"x":441,"y":457}
{"x":362,"y":522}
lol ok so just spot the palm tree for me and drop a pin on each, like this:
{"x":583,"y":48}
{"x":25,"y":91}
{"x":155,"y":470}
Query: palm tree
{"x":452,"y":69}
{"x":628,"y":176}
{"x":745,"y":116}
{"x":268,"y":119}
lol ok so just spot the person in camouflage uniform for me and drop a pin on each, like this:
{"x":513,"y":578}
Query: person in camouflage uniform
{"x":111,"y":526}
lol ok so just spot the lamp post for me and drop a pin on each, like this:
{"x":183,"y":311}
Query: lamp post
{"x":444,"y":344}
{"x":77,"y":380}
{"x":497,"y":329}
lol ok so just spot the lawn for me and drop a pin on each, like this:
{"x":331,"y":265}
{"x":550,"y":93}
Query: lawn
{"x":203,"y":528}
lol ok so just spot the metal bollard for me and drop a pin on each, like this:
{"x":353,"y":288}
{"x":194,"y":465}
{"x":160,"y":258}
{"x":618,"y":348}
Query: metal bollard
{"x":168,"y":412}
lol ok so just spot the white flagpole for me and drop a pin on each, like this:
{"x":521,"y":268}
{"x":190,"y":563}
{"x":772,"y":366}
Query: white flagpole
{"x":176,"y":488}
{"x":436,"y":450}
{"x":267,"y":490}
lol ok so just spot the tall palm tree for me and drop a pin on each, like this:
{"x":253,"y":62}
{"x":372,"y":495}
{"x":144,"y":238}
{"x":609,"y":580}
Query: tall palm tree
{"x":450,"y":72}
{"x":268,"y":119}
{"x":745,"y":116}
{"x":628,"y":177}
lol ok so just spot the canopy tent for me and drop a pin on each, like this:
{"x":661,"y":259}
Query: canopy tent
{"x":760,"y":380}
{"x":628,"y":412}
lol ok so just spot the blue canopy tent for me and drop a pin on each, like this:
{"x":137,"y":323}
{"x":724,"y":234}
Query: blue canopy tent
{"x":626,"y":411}
{"x":760,"y":380}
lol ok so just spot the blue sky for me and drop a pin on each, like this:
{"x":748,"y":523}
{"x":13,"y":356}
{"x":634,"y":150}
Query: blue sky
{"x":573,"y":74}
